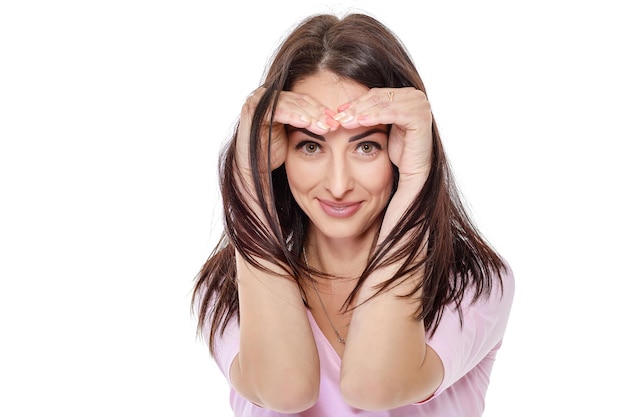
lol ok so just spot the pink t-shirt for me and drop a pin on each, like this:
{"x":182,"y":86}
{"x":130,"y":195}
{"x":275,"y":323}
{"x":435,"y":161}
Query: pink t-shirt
{"x":468,"y":354}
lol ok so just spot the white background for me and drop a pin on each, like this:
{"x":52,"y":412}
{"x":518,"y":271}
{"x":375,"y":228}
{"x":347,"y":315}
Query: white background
{"x":111,"y":117}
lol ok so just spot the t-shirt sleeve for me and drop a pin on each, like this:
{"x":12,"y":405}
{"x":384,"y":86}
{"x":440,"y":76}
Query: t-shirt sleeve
{"x":226,"y":344}
{"x":462,"y":347}
{"x":227,"y":347}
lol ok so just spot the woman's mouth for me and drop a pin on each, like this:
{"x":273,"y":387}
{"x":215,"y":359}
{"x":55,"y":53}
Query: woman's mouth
{"x":340,"y":210}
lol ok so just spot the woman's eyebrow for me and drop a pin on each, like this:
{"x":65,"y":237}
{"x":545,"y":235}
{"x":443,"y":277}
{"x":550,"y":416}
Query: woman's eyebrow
{"x":306,"y":132}
{"x":323,"y":139}
{"x":367,"y":133}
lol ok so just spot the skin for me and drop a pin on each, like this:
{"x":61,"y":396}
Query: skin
{"x":339,"y":157}
{"x":343,"y":179}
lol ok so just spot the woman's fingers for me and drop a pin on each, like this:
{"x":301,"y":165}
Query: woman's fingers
{"x":301,"y":110}
{"x":404,"y":107}
{"x":408,"y":112}
{"x":298,"y":110}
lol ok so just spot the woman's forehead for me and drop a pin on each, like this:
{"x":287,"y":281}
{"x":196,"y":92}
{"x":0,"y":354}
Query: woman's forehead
{"x":329,"y":89}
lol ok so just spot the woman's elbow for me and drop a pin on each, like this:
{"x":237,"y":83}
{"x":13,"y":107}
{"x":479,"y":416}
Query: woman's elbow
{"x":290,"y":397}
{"x":279,"y":387}
{"x":368,"y":394}
{"x":376,"y":394}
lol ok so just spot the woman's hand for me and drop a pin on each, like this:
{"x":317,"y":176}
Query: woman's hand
{"x":410,"y":139}
{"x":297,"y":110}
{"x":408,"y":112}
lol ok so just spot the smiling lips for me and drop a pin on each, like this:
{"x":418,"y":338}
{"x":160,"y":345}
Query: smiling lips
{"x":340,"y":210}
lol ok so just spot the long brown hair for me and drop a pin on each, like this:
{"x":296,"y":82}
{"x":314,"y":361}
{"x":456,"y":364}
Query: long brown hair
{"x":458,"y":258}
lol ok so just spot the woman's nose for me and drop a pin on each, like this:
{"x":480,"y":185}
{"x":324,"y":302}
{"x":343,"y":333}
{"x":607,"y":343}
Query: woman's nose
{"x":338,"y":177}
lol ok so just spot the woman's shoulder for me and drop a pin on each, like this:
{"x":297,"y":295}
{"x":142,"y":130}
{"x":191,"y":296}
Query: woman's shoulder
{"x":497,"y":302}
{"x":507,"y":280}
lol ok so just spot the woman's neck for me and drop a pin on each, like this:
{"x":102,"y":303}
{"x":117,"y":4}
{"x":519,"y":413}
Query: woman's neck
{"x":344,"y":258}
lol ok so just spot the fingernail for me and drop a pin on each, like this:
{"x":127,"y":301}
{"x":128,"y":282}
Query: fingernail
{"x":343,"y":107}
{"x":343,"y":117}
{"x":329,"y":112}
{"x":332,"y":123}
{"x":323,"y":125}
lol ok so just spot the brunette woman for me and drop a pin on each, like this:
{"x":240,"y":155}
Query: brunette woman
{"x":349,"y":279}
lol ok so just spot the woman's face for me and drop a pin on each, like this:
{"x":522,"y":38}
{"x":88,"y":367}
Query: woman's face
{"x":342,"y":180}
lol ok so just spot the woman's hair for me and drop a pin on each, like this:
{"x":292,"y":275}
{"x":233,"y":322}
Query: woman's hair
{"x":458,"y":258}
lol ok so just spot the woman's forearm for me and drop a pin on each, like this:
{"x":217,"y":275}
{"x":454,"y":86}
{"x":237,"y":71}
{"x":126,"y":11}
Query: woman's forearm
{"x":278,"y":365}
{"x":386,"y":362}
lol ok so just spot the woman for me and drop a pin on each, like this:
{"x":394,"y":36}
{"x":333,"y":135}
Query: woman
{"x":349,"y":279}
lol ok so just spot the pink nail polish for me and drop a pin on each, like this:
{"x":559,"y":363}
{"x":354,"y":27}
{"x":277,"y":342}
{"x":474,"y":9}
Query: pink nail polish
{"x":343,"y":107}
{"x":323,"y":125}
{"x":332,"y":123}
{"x":343,"y":118}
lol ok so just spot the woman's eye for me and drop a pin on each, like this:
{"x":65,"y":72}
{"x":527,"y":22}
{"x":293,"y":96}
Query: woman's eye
{"x":309,"y":147}
{"x":368,"y":147}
